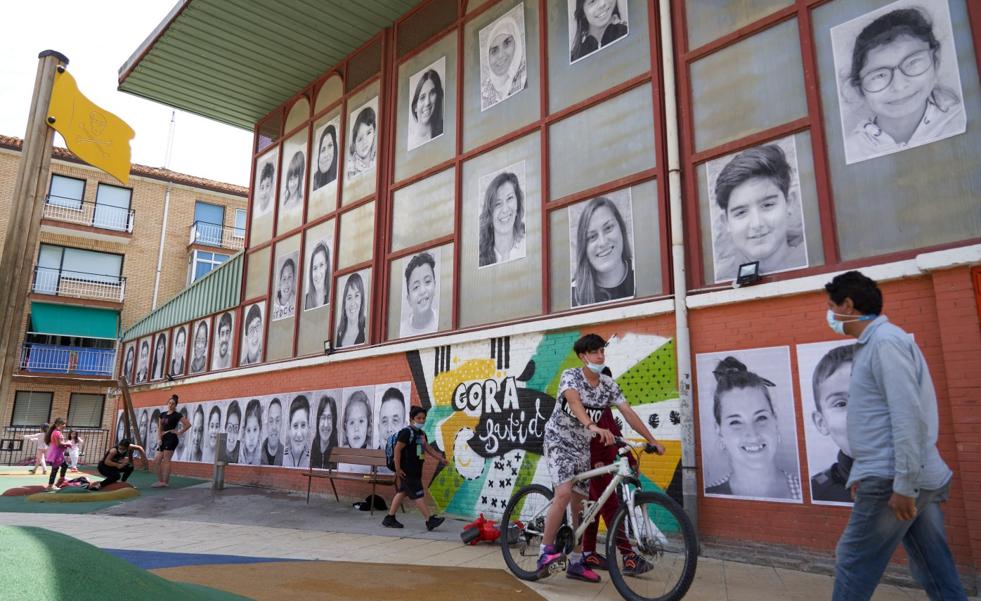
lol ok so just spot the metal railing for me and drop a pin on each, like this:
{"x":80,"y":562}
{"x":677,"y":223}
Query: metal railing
{"x":67,"y":360}
{"x":78,"y":284}
{"x":102,"y":216}
{"x":95,"y":442}
{"x":217,"y":235}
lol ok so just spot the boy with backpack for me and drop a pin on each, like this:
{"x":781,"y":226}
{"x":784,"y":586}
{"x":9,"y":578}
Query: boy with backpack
{"x":405,"y":452}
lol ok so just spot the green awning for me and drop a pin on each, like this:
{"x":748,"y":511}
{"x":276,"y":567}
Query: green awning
{"x":72,"y":320}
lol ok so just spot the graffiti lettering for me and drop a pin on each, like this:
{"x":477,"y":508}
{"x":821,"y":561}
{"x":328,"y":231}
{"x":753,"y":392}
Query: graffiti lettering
{"x":514,"y":429}
{"x":484,"y":395}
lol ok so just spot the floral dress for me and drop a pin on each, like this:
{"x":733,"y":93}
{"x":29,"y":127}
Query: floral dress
{"x":566,"y":439}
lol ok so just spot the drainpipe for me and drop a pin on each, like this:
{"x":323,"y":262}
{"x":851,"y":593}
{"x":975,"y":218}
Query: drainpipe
{"x":166,"y":212}
{"x":682,"y":338}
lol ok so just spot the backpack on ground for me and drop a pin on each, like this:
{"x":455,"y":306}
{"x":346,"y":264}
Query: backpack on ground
{"x":390,"y":446}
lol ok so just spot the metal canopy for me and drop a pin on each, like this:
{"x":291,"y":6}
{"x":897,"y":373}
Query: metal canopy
{"x":234,"y":61}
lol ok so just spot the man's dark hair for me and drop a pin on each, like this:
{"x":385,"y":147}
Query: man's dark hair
{"x":225,"y":320}
{"x":416,"y":410}
{"x":268,"y":172}
{"x":588,"y":344}
{"x":865,"y":294}
{"x":767,"y":161}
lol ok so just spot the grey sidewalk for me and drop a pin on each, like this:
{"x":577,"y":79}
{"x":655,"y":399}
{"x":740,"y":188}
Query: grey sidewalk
{"x":254,"y":523}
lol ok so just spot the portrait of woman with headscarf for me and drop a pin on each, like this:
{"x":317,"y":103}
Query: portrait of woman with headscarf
{"x":502,"y":58}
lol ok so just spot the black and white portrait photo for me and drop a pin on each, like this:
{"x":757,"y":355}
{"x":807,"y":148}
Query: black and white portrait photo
{"x":898,"y":81}
{"x":501,"y":222}
{"x":120,"y":427}
{"x":284,"y":285}
{"x":252,"y":334}
{"x":426,"y":104}
{"x":201,"y":332}
{"x":420,"y":295}
{"x":391,"y":410}
{"x":271,"y":452}
{"x":326,"y":155}
{"x":214,"y":413}
{"x":357,"y":418}
{"x":351,"y":327}
{"x":159,"y":369}
{"x":755,"y":207}
{"x":294,"y":169}
{"x":299,"y":430}
{"x":195,"y":442}
{"x":250,"y":437}
{"x":316,"y":282}
{"x":129,"y":362}
{"x":327,"y":423}
{"x":594,"y":25}
{"x":502,"y":58}
{"x":221,"y":354}
{"x":178,"y":354}
{"x":362,"y":140}
{"x":825,"y":370}
{"x":143,"y":361}
{"x":264,"y":187}
{"x":233,"y":430}
{"x":601,"y":242}
{"x":748,"y":425}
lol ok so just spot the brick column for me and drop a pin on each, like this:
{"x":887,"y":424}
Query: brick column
{"x":960,"y":334}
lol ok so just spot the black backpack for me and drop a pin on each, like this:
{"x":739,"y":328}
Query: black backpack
{"x":390,"y":446}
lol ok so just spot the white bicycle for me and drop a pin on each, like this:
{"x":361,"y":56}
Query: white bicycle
{"x":663,"y":547}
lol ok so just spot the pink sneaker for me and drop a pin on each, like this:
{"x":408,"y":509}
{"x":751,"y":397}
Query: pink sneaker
{"x":579,"y":571}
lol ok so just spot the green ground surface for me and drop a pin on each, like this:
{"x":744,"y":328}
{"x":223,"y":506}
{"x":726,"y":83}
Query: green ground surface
{"x":19,"y":477}
{"x":40,"y":565}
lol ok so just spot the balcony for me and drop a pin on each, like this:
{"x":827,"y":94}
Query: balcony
{"x":217,"y":236}
{"x":78,"y":284}
{"x":67,"y":360}
{"x":109,"y":218}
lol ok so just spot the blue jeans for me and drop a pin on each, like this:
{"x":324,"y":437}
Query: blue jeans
{"x":873,"y":533}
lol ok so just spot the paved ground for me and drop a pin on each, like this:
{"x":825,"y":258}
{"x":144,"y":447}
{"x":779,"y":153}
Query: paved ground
{"x":254,"y":523}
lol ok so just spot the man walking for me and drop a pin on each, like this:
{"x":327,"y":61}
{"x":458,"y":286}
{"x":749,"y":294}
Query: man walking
{"x":898,"y":479}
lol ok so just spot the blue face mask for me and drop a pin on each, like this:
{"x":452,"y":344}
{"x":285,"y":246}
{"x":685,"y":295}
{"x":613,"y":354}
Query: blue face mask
{"x":417,"y":426}
{"x":596,"y":368}
{"x":838,"y":327}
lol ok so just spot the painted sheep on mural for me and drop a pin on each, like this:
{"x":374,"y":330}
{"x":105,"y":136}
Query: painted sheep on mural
{"x":488,"y":403}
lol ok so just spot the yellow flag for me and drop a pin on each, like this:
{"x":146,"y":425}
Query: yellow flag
{"x":95,"y":135}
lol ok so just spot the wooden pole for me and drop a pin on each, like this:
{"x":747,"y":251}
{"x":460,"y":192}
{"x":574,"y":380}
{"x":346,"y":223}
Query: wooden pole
{"x":132,"y":425}
{"x":27,"y":205}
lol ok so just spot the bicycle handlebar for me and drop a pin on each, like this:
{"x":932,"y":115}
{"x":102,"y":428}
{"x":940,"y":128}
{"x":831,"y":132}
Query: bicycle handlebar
{"x":646,"y":446}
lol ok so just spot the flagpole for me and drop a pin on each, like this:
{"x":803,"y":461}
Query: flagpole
{"x":27,"y":205}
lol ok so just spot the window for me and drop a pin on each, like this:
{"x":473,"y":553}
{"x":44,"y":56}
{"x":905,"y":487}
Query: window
{"x":31,"y":408}
{"x":112,"y":208}
{"x":66,"y":192}
{"x":239,"y":231}
{"x":202,"y":263}
{"x":66,"y":270}
{"x":208,"y":222}
{"x":85,"y":410}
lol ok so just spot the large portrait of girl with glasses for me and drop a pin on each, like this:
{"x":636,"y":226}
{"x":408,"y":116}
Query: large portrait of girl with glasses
{"x":898,"y":83}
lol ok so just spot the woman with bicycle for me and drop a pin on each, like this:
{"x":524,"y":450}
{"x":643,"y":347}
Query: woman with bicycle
{"x":582,"y":395}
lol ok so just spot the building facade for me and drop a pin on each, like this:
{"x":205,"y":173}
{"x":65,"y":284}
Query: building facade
{"x":107,"y":255}
{"x":440,"y":210}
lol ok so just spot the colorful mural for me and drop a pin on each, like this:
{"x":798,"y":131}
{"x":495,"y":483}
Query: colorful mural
{"x":488,"y":403}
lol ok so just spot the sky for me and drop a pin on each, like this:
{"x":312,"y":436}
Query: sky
{"x":98,"y":36}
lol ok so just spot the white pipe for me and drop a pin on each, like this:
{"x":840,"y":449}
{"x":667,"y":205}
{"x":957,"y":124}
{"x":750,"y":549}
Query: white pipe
{"x":166,"y":212}
{"x":160,"y":252}
{"x":682,"y":338}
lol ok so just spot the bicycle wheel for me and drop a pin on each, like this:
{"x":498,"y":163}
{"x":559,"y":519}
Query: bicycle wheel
{"x":654,"y":555}
{"x":522,"y":528}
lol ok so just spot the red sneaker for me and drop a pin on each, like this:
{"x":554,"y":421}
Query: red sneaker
{"x":579,"y":571}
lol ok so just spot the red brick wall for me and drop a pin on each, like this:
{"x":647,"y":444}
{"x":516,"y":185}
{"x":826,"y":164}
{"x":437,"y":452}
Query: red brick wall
{"x":940,"y":312}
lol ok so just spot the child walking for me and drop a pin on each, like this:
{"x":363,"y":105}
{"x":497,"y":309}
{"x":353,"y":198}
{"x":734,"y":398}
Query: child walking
{"x":56,"y":452}
{"x":41,"y":449}
{"x":74,"y":451}
{"x":410,"y":452}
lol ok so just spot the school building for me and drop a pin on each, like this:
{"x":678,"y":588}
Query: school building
{"x":107,"y":255}
{"x":447,"y":193}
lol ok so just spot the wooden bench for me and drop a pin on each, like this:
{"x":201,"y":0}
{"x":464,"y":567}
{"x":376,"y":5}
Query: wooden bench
{"x":373,"y":458}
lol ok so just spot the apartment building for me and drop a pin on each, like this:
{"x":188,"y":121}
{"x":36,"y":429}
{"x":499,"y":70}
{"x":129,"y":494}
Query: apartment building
{"x":107,"y":254}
